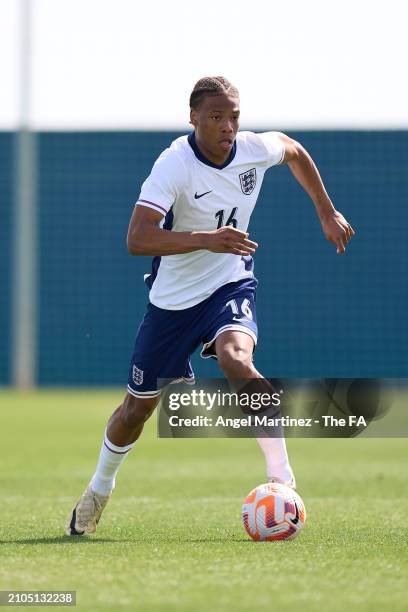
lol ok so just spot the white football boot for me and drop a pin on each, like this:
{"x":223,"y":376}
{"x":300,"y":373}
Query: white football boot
{"x":86,"y":514}
{"x":291,"y":484}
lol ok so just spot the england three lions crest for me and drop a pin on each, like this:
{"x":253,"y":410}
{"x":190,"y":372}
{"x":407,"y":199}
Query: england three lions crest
{"x":248,"y":181}
{"x":137,"y":376}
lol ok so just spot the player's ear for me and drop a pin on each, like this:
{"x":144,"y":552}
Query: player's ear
{"x":193,"y":117}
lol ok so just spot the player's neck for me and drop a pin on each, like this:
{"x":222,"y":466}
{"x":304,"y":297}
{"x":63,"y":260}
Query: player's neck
{"x":219,"y":161}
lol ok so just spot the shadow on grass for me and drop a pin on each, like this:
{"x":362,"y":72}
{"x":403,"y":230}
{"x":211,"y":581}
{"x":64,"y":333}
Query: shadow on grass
{"x":72,"y":540}
{"x":63,"y":540}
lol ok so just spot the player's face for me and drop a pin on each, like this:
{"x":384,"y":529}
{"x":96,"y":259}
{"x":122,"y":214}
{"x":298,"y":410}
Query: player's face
{"x":216,"y":123}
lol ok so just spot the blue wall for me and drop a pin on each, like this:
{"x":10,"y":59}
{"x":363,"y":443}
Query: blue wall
{"x":319,"y":314}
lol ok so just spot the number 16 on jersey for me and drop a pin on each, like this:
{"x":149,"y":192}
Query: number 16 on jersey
{"x":231,"y":219}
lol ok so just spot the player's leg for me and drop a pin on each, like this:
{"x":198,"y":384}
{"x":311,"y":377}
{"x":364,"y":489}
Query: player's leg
{"x":126,"y":423}
{"x":231,"y":337}
{"x":234,"y":351}
{"x":161,"y":354}
{"x":123,"y":429}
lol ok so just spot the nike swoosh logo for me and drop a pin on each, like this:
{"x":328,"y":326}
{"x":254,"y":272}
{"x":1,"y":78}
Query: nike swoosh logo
{"x":296,"y":519}
{"x":197,"y":197}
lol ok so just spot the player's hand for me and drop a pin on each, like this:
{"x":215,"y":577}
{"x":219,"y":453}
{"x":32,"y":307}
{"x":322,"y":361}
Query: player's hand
{"x":230,"y":240}
{"x":337,"y":230}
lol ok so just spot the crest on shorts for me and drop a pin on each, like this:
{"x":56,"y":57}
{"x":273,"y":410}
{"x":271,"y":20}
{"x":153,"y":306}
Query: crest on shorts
{"x":137,"y":376}
{"x":248,"y":181}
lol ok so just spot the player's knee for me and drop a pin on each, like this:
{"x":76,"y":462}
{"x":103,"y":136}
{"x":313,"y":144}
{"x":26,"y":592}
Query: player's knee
{"x":235,"y":361}
{"x":135,"y":411}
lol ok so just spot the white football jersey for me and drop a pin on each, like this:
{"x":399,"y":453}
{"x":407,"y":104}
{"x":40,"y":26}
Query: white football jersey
{"x":194,"y":194}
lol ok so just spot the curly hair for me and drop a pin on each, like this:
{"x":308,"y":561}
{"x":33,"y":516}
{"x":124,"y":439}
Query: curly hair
{"x":211,"y":86}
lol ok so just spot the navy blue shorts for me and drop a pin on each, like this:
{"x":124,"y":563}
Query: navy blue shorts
{"x":166,"y":339}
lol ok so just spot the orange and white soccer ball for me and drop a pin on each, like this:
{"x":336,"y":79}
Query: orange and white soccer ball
{"x":273,"y":511}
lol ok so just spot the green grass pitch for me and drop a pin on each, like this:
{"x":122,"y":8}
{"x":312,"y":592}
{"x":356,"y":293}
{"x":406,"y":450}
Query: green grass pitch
{"x":172,"y":539}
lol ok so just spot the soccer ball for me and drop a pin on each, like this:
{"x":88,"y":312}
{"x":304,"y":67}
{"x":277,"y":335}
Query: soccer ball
{"x":273,"y":511}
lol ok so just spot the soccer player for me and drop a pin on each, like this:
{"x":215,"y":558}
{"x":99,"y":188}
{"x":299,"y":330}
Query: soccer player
{"x":192,"y":215}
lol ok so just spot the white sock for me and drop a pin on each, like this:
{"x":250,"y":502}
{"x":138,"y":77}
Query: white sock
{"x":276,"y":457}
{"x":110,"y":459}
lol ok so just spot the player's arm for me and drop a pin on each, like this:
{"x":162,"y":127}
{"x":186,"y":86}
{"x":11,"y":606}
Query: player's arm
{"x":335,"y":227}
{"x":146,"y":237}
